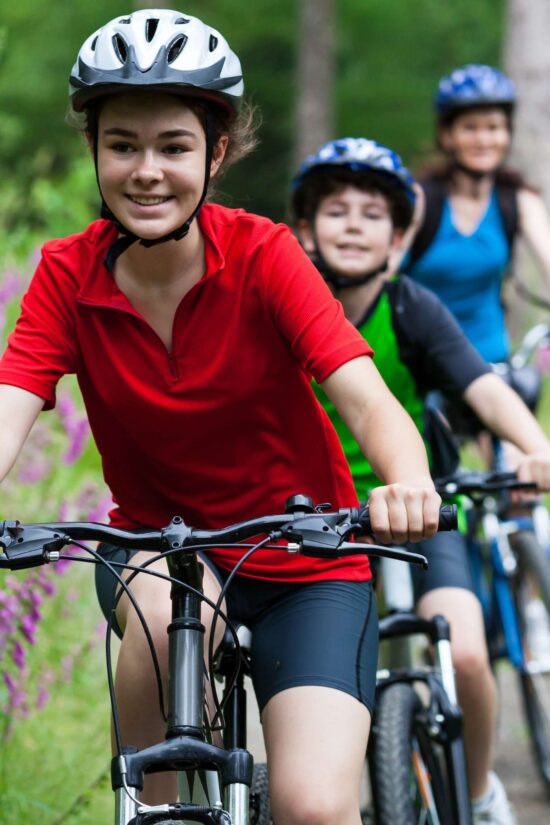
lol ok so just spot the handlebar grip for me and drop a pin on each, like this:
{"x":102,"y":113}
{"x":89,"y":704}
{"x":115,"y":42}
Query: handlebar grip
{"x":448,"y":518}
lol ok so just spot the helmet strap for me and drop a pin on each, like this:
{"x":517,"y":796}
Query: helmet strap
{"x":127,"y":237}
{"x":477,"y":177}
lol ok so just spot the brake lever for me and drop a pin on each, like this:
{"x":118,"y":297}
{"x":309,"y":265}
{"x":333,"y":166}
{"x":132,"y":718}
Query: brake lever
{"x":27,"y":546}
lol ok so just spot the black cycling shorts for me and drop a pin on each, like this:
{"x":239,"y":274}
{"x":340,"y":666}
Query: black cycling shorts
{"x":448,"y":564}
{"x":318,"y":633}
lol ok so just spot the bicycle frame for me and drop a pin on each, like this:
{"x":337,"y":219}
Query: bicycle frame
{"x":185,"y":746}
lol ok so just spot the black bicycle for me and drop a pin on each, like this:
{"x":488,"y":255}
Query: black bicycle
{"x":223,"y":773}
{"x":416,"y":759}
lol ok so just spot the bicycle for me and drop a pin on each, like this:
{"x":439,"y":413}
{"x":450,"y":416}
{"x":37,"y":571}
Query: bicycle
{"x":416,"y":760}
{"x":511,"y":571}
{"x":225,"y":772}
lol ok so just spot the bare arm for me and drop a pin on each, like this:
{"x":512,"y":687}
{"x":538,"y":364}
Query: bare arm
{"x":534,"y":223}
{"x":407,"y":508}
{"x":505,"y":414}
{"x":18,"y":412}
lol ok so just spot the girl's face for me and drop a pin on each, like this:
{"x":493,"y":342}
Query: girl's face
{"x":151,"y":160}
{"x":479,"y":139}
{"x":354,"y":231}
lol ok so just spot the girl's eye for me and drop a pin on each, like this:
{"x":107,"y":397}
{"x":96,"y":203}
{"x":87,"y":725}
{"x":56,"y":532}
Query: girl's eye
{"x":121,"y":148}
{"x":174,"y":149}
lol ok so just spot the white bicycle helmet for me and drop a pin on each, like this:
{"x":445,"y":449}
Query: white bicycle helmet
{"x":159,"y":48}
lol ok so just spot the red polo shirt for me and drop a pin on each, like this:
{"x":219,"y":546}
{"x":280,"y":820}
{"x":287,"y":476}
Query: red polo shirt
{"x":225,"y":426}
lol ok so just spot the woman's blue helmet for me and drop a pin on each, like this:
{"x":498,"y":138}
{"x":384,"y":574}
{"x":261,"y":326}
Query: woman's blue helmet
{"x":358,"y":154}
{"x":474,"y":85}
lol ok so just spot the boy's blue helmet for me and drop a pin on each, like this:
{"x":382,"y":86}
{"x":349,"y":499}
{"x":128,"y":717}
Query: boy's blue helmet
{"x":358,"y":154}
{"x":474,"y":85}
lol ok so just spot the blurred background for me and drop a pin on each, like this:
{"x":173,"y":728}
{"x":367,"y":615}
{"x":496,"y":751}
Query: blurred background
{"x":317,"y":69}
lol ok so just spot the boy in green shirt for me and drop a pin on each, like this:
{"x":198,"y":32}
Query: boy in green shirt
{"x":353,"y":205}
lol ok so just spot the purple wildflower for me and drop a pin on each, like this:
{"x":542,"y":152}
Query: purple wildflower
{"x":28,"y":628}
{"x":18,"y":655}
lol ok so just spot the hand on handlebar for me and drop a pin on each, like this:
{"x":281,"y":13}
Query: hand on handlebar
{"x":535,"y":467}
{"x":404,"y":512}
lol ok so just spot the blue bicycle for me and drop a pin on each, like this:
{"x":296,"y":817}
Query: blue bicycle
{"x":508,"y":546}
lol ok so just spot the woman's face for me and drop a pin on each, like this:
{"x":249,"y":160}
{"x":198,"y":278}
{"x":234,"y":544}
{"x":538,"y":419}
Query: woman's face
{"x":478,"y":139}
{"x":151,"y":160}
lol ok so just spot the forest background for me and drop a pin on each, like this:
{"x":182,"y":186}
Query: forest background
{"x":316,"y":69}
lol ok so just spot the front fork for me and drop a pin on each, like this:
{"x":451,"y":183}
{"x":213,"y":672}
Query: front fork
{"x":184,"y":747}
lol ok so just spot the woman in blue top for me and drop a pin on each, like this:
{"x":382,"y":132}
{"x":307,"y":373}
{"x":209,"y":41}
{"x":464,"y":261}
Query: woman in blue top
{"x":474,"y":207}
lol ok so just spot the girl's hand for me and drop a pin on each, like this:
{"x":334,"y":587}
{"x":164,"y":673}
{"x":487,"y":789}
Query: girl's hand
{"x":404,"y":512}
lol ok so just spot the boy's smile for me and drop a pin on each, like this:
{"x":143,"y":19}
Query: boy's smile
{"x":353,"y":230}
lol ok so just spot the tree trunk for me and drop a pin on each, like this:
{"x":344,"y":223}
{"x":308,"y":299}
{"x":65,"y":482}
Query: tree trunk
{"x":527,"y":60}
{"x":314,"y":116}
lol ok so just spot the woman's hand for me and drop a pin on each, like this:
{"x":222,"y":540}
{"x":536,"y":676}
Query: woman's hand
{"x":404,"y":512}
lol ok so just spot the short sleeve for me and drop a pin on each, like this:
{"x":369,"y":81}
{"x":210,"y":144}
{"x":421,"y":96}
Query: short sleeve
{"x":304,"y":310}
{"x":444,"y":358}
{"x":42,"y":346}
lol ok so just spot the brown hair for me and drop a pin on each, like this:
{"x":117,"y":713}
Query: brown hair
{"x":327,"y":180}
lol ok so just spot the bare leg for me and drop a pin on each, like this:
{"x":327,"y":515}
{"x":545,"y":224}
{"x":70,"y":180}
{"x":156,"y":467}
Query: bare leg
{"x":475,"y":682}
{"x":316,"y":741}
{"x":136,"y":687}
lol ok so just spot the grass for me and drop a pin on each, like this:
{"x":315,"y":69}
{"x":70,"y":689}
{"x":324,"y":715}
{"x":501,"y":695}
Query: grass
{"x":59,"y":752}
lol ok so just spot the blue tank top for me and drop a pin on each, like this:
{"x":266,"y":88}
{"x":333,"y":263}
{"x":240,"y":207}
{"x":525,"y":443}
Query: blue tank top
{"x":466,"y":273}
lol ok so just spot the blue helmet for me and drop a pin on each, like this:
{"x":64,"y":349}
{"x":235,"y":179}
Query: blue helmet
{"x":474,"y":85}
{"x":358,"y":154}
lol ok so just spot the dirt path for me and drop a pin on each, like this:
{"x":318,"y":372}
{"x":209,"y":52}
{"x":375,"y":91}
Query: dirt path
{"x":514,"y":762}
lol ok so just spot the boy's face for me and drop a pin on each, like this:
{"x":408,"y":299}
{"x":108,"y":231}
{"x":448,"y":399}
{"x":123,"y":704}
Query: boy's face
{"x":353,"y":230}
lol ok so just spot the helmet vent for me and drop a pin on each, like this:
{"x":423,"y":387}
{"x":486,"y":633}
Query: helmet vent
{"x":125,"y":20}
{"x":94,"y":43}
{"x":213,"y":42}
{"x":176,"y":47}
{"x":150,"y":28}
{"x":119,"y":45}
{"x":181,"y":20}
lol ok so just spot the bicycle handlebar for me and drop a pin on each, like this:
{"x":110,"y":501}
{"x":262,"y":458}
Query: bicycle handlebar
{"x":307,"y":529}
{"x":480,"y":483}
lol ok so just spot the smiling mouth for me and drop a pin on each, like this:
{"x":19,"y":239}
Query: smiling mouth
{"x":144,"y":200}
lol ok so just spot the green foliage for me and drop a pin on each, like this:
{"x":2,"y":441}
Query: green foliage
{"x":389,"y":57}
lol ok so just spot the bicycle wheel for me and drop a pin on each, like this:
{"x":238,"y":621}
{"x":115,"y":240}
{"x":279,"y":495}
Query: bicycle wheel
{"x":532,"y":597}
{"x":260,"y":787}
{"x":408,"y":785}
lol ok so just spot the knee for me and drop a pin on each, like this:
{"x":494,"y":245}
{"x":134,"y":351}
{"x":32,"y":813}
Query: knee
{"x":301,"y":807}
{"x":471,"y":663}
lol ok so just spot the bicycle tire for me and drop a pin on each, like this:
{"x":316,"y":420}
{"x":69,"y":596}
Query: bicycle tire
{"x":407,"y":782}
{"x":260,"y":787}
{"x":533,"y":582}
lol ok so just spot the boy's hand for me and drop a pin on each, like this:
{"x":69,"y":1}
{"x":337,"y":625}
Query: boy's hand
{"x":404,"y":512}
{"x":535,"y":467}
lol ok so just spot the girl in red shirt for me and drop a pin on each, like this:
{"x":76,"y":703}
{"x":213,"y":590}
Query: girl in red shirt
{"x":194,"y":332}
